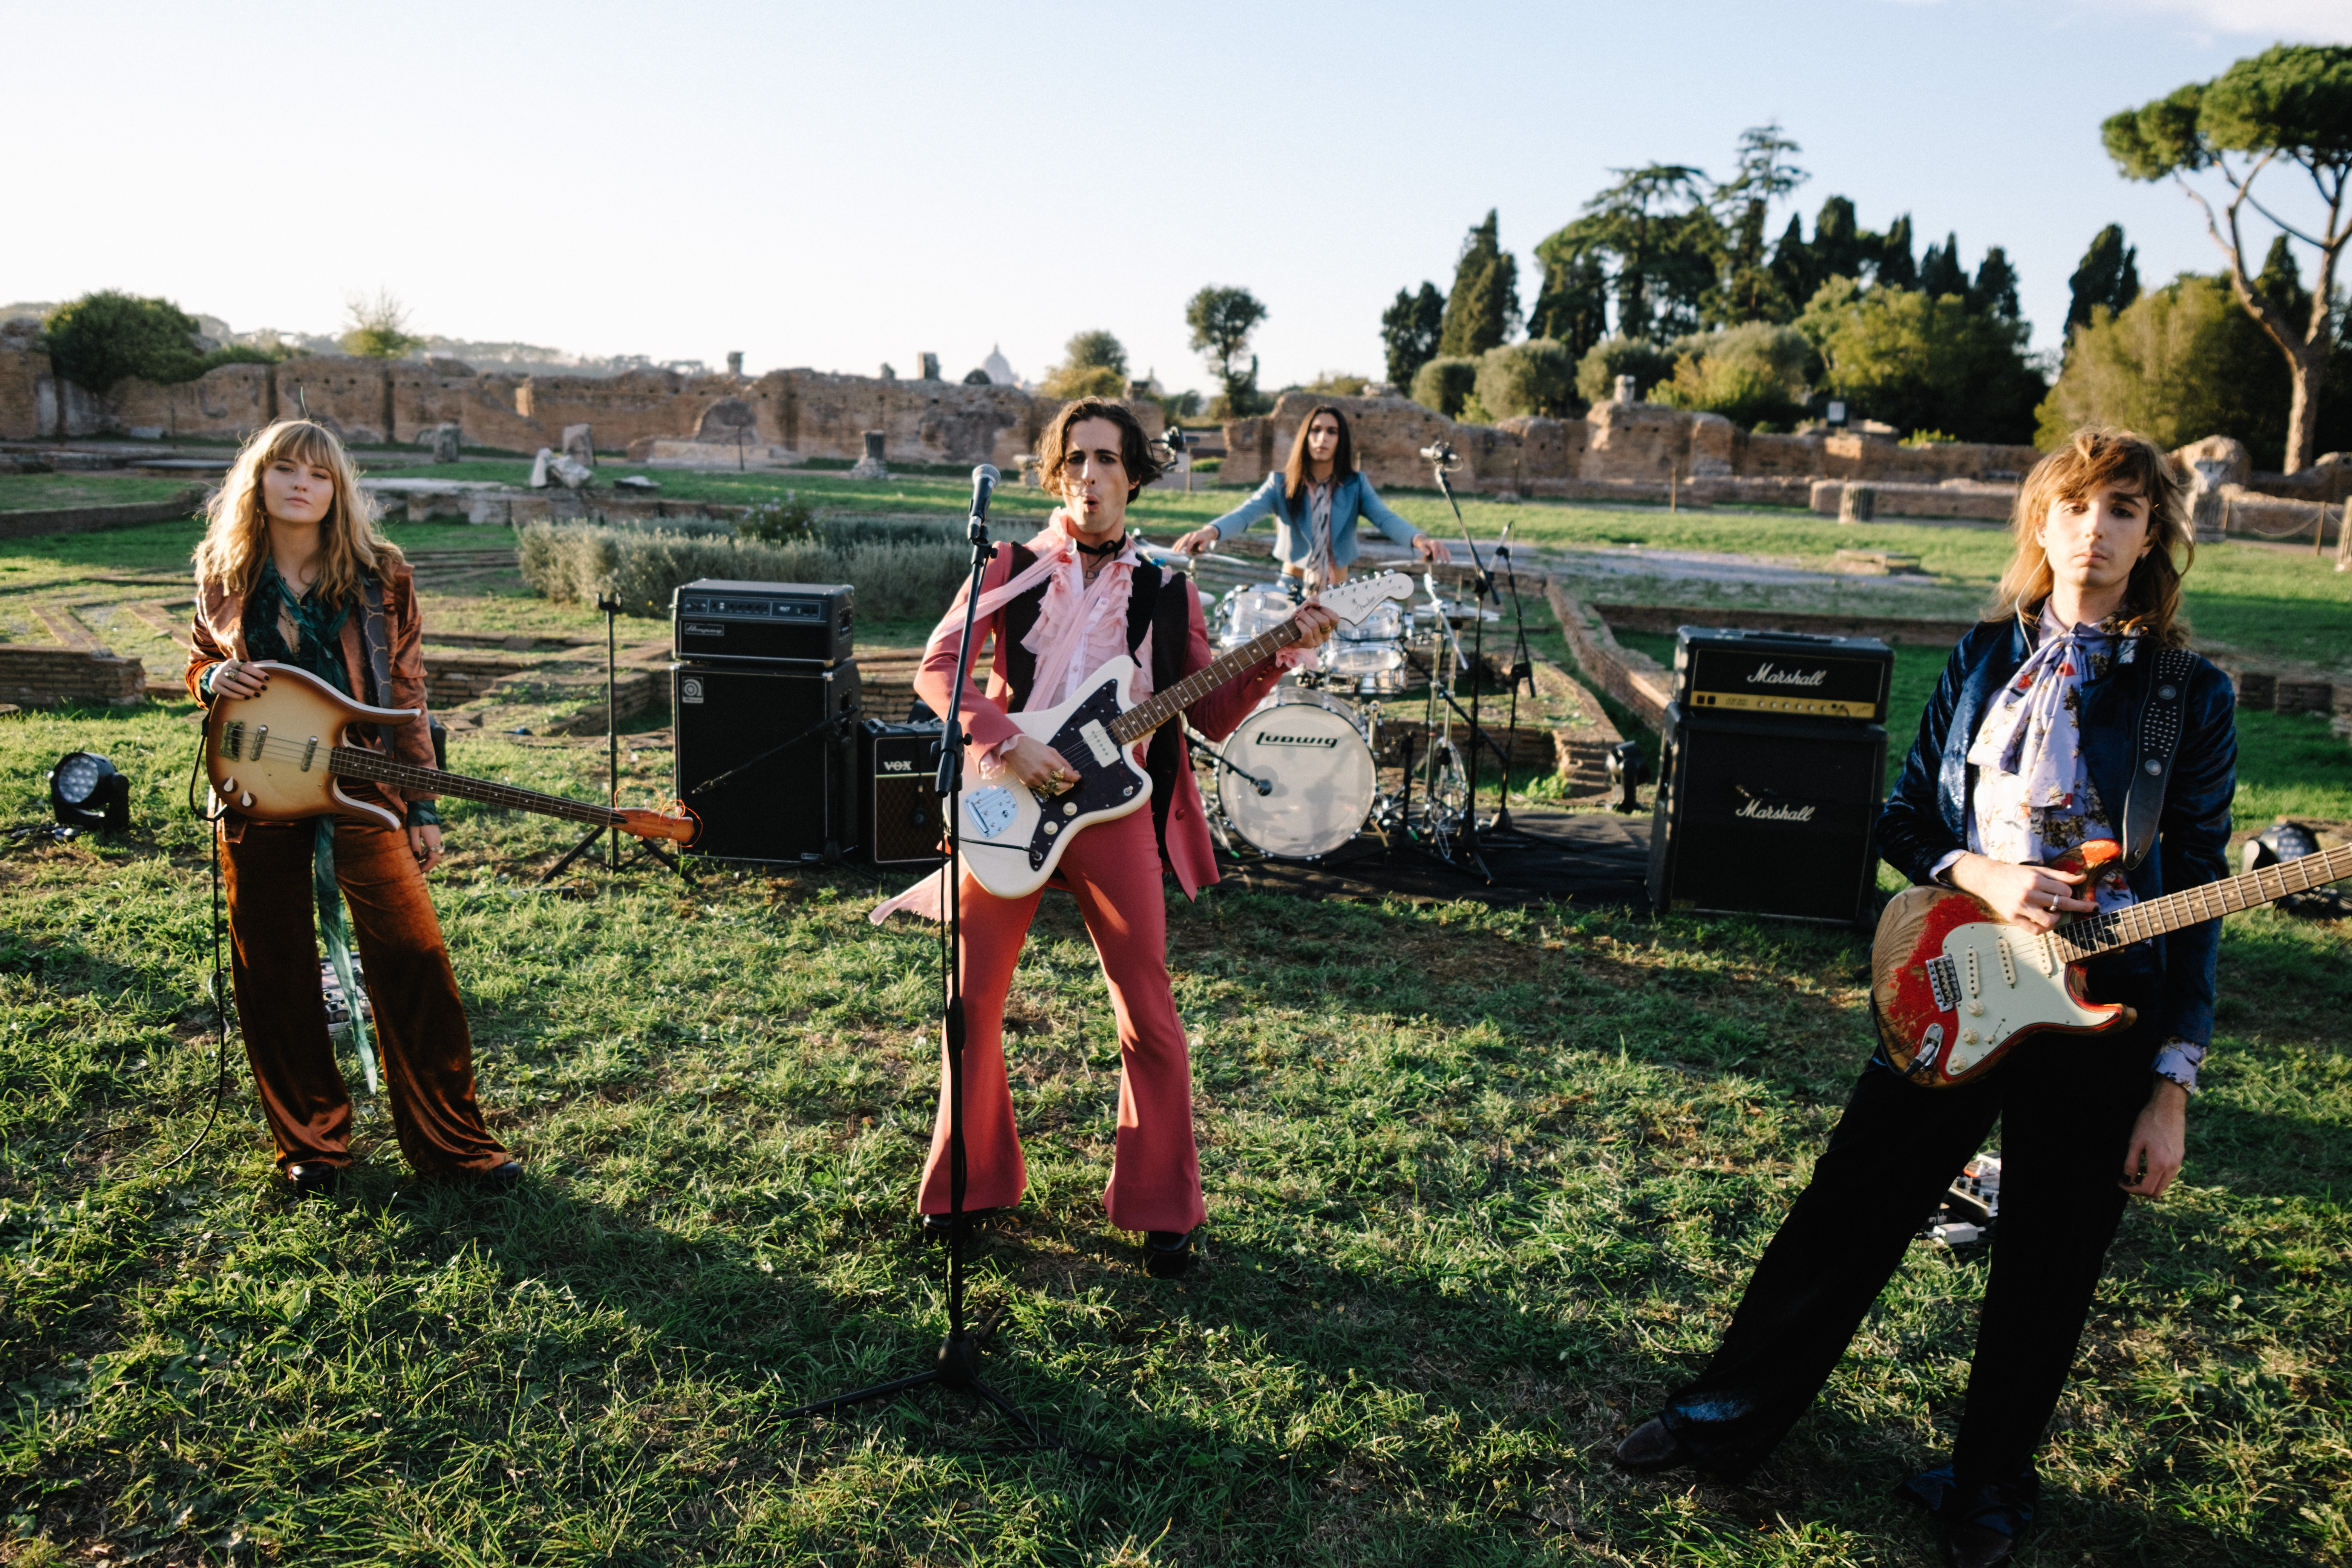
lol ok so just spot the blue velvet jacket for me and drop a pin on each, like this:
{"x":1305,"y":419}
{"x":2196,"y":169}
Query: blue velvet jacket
{"x":1927,"y":815}
{"x":1352,"y":497}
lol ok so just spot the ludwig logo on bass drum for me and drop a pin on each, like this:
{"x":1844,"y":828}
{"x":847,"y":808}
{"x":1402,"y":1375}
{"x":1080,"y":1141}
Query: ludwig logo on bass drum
{"x":1326,"y":742}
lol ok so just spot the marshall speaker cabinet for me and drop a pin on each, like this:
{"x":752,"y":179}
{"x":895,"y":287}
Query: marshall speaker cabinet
{"x":1762,"y":814}
{"x":1720,"y":669}
{"x":898,"y":766}
{"x":792,"y":734}
{"x":804,"y":625}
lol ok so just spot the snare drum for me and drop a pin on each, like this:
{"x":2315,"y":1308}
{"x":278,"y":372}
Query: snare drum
{"x":1311,"y":751}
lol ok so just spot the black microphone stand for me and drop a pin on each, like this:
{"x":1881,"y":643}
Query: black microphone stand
{"x":611,"y":604}
{"x":1523,"y":668}
{"x":958,"y":1364}
{"x":1440,"y":459}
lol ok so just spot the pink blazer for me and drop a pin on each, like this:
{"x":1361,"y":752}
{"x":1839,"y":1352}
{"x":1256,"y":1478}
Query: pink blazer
{"x":1190,"y":855}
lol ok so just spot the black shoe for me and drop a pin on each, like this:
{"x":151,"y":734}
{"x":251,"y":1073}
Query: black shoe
{"x":313,"y":1178}
{"x":1652,"y":1445}
{"x":503,"y":1178}
{"x":940,"y":1227}
{"x":1167,"y":1254}
{"x":1985,"y":1520}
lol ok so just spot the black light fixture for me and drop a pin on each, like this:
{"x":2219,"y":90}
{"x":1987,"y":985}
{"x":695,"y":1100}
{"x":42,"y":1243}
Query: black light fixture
{"x":86,"y":793}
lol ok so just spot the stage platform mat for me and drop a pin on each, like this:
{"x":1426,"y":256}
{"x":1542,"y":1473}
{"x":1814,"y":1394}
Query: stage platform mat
{"x":1594,"y":858}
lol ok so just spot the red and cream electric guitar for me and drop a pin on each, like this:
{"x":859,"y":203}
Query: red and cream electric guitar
{"x":1013,"y":836}
{"x":1953,"y":987}
{"x":280,"y":756}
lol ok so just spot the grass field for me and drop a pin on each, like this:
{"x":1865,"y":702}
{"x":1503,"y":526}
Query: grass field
{"x":1483,"y":1182}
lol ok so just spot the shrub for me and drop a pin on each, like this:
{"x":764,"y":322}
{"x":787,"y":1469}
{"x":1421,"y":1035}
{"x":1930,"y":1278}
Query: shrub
{"x":1076,"y":381}
{"x":786,"y":522}
{"x":1534,"y":377}
{"x":1597,"y":372}
{"x":1446,"y":384}
{"x":104,"y":337}
{"x":1752,"y":373}
{"x":1338,"y":383}
{"x":899,"y":574}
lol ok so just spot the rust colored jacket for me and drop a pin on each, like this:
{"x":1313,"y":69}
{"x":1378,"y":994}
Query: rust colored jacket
{"x":218,"y":633}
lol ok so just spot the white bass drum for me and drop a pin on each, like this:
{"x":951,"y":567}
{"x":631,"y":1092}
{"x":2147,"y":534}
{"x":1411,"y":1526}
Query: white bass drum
{"x":1312,"y":751}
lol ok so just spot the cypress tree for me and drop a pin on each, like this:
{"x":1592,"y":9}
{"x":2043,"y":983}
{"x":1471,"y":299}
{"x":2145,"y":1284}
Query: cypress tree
{"x":2108,"y":275}
{"x":1896,"y":268}
{"x":1485,"y":304}
{"x":1940,"y":272}
{"x":1994,"y":293}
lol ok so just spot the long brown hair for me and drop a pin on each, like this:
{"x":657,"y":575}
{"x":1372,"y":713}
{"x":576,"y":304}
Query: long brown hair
{"x":236,"y":535}
{"x":2094,"y":457}
{"x":1343,"y":461}
{"x":1134,"y":446}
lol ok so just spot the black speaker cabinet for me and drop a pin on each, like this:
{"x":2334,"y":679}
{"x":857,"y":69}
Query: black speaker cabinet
{"x":898,"y":768}
{"x":1768,"y":816}
{"x":1793,"y":674}
{"x":798,"y":803}
{"x":715,"y":621}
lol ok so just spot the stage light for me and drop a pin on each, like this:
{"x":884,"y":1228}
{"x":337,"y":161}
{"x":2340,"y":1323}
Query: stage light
{"x":86,"y":793}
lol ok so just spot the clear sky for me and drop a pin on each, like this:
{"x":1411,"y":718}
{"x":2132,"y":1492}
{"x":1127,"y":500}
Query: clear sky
{"x":843,"y":184}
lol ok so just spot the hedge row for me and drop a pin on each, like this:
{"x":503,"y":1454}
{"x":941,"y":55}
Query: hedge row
{"x":901,"y":570}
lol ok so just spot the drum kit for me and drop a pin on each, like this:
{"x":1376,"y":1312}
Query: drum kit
{"x":1301,"y":775}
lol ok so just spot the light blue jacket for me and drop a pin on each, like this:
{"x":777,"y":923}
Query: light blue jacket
{"x":1292,"y":543}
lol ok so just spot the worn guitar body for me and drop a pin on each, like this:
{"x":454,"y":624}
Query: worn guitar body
{"x":1953,"y":987}
{"x":1013,"y":835}
{"x":269,"y":755}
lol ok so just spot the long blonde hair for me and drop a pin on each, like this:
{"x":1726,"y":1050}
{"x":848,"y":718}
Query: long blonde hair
{"x":2091,"y":458}
{"x":236,"y":536}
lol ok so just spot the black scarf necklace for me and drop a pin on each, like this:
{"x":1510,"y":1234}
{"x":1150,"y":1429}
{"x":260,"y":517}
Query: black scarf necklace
{"x":1100,"y":552}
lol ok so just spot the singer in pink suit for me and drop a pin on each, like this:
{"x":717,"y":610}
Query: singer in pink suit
{"x":1055,"y":610}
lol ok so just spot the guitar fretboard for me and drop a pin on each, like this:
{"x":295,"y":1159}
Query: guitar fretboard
{"x":2101,"y":934}
{"x":1162,"y":706}
{"x":351,"y":761}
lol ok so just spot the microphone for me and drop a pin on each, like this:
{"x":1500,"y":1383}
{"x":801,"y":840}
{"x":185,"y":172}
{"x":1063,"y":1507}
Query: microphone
{"x":1442,"y":455}
{"x":984,"y":485}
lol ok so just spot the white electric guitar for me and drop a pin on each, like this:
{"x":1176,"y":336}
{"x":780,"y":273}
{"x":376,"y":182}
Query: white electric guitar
{"x":1013,"y":836}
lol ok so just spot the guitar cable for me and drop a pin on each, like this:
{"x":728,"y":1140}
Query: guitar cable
{"x":221,"y":1009}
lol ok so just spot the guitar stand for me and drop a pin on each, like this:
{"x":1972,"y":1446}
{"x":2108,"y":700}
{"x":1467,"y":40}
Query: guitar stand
{"x":611,"y":604}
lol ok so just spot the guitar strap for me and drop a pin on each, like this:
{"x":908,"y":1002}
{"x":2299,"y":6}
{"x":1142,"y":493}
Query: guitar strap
{"x":2152,"y":756}
{"x":379,"y":650}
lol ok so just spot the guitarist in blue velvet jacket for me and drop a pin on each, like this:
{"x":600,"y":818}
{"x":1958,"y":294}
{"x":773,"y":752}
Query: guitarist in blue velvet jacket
{"x":2031,"y":746}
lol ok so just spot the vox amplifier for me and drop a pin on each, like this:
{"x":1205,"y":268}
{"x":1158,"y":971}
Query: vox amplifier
{"x":803,"y":624}
{"x":1763,"y":814}
{"x":1792,"y":674}
{"x":781,"y":745}
{"x":899,"y":766}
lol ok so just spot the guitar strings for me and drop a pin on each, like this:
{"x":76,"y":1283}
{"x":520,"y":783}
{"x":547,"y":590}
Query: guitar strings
{"x":360,"y":763}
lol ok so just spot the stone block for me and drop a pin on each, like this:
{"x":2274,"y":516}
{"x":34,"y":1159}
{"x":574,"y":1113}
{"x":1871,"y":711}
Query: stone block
{"x":2300,"y":694}
{"x":445,"y":443}
{"x":2257,"y":690}
{"x":580,"y":445}
{"x":1857,"y":503}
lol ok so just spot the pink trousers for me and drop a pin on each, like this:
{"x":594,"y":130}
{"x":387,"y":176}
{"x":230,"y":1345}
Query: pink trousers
{"x":1113,"y":870}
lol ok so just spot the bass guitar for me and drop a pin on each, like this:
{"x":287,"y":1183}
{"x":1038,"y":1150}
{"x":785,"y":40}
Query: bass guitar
{"x":1953,"y":987}
{"x":281,"y":757}
{"x":1012,"y":835}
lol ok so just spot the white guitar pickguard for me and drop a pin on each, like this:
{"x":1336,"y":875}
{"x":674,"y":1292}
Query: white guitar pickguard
{"x":2007,"y":979}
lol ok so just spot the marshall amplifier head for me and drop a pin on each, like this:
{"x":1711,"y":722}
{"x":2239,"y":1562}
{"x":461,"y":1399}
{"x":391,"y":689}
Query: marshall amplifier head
{"x":1724,"y":669}
{"x":776,"y":625}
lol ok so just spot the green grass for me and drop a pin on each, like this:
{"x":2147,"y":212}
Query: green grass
{"x":1482,"y":1183}
{"x":45,"y":493}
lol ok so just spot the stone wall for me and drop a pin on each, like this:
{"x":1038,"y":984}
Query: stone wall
{"x":34,"y":676}
{"x":1635,"y":446}
{"x":807,"y":413}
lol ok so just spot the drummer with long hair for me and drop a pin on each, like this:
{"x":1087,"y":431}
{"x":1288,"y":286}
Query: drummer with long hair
{"x":291,"y":571}
{"x":1315,"y":501}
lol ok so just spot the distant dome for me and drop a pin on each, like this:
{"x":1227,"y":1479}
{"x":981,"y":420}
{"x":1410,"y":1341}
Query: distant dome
{"x":999,"y":370}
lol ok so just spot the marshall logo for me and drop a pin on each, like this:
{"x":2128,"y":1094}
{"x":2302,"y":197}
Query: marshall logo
{"x":1769,"y":674}
{"x":1757,"y":810}
{"x":1324,"y":740}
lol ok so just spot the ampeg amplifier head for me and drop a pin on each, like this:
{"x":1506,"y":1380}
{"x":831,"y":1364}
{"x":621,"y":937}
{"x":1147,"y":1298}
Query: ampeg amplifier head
{"x":807,"y":625}
{"x":1789,"y":674}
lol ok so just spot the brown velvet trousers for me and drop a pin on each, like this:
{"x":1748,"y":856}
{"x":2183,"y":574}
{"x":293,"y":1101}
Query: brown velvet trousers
{"x":425,"y":1049}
